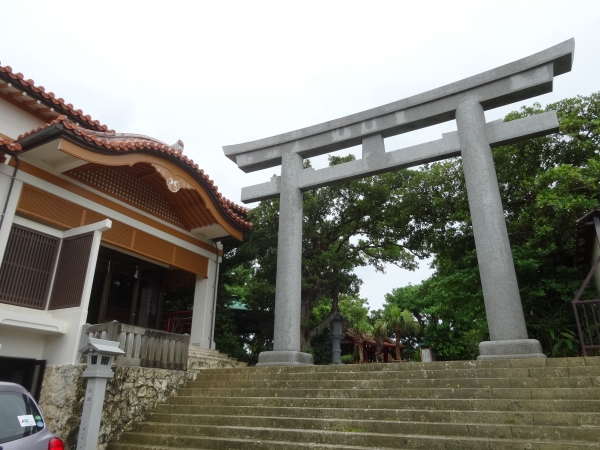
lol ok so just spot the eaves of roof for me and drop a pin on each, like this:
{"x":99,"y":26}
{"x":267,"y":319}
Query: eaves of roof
{"x":35,"y":99}
{"x":10,"y":147}
{"x":111,"y":143}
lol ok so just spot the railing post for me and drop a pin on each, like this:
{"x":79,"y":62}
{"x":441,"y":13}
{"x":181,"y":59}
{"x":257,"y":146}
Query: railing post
{"x":112,"y":331}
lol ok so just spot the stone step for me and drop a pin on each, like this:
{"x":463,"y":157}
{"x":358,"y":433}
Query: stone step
{"x":217,"y":356}
{"x":200,"y":424}
{"x":172,"y":413}
{"x":548,"y":405}
{"x":212,"y":358}
{"x":256,"y":375}
{"x":471,"y":405}
{"x":202,"y":359}
{"x":225,"y":443}
{"x":431,"y":366}
{"x":197,"y":436}
{"x":208,"y":353}
{"x":543,"y":382}
{"x":415,"y":393}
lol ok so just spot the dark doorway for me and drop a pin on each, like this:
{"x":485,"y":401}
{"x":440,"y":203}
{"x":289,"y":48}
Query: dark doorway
{"x":126,"y":289}
{"x":29,"y":373}
{"x":136,"y":292}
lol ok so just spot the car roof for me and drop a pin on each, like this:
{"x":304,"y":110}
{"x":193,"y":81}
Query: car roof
{"x":12,"y":387}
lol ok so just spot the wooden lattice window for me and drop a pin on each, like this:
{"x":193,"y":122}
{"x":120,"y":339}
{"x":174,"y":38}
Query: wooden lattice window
{"x":71,"y":271}
{"x":128,"y":188}
{"x":27,"y":267}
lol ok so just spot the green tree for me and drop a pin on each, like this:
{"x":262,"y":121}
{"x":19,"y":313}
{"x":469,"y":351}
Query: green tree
{"x":380,"y":334}
{"x":356,"y":310}
{"x":401,"y":321}
{"x":345,"y":226}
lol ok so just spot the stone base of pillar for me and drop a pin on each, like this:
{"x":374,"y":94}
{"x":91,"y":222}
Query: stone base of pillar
{"x":510,"y":349}
{"x":284,"y":358}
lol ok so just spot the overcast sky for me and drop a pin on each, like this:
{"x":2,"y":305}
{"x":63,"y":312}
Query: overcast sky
{"x":215,"y":73}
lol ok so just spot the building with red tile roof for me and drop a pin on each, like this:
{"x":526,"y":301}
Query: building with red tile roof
{"x":101,"y":231}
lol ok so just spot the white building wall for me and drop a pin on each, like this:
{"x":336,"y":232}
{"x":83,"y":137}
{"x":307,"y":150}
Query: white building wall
{"x":202,"y":333}
{"x":14,"y":121}
{"x":64,"y":349}
{"x":5,"y":180}
{"x":19,"y":344}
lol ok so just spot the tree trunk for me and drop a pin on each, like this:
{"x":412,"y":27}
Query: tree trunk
{"x":306,"y":333}
{"x":361,"y":353}
{"x":304,"y":320}
{"x":379,"y":352}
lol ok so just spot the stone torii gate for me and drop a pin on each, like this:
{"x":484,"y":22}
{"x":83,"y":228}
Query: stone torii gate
{"x":465,"y":101}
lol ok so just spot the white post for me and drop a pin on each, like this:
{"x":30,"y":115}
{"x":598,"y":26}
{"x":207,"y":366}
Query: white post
{"x":11,"y":207}
{"x":202,"y":317}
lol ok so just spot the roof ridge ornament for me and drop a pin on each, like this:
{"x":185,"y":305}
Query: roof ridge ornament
{"x":178,"y":147}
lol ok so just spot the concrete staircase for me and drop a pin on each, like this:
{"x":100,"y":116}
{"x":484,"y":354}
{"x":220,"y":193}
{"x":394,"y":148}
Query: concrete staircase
{"x":202,"y":358}
{"x":494,"y":405}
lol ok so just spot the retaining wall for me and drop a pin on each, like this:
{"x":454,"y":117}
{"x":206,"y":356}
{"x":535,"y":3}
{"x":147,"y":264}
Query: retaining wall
{"x":129,"y":396}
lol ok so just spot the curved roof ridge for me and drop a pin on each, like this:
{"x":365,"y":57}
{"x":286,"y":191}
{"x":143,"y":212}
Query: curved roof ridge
{"x":126,"y":142}
{"x":49,"y":98}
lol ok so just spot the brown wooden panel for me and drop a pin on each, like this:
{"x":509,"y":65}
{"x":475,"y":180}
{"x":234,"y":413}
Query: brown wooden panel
{"x":64,"y":214}
{"x":71,"y":271}
{"x":119,"y":234}
{"x":78,"y":190}
{"x":27,"y":267}
{"x":49,"y":208}
{"x":92,"y":217}
{"x":154,"y":247}
{"x":191,"y":261}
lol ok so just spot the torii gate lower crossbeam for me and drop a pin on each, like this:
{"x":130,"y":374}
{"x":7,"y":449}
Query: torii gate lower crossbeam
{"x":464,"y":101}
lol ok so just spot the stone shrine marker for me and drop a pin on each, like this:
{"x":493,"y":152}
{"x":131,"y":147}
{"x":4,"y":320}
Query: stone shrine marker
{"x":465,"y":101}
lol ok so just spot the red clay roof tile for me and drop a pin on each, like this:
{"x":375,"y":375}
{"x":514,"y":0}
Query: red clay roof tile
{"x":8,"y":146}
{"x":49,"y":98}
{"x":125,"y":142}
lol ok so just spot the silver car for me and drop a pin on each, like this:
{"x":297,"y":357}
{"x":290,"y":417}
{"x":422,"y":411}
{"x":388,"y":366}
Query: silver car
{"x":22,"y":426}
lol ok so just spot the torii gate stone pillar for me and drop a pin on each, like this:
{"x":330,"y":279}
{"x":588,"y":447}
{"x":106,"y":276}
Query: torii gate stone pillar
{"x":465,"y":101}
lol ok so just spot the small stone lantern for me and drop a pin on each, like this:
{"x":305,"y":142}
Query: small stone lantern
{"x":100,"y":356}
{"x":336,"y":334}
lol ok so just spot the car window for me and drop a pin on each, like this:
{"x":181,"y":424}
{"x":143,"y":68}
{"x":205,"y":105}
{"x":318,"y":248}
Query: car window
{"x":19,"y":417}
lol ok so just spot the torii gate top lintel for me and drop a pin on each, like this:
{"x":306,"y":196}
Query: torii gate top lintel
{"x":516,"y":81}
